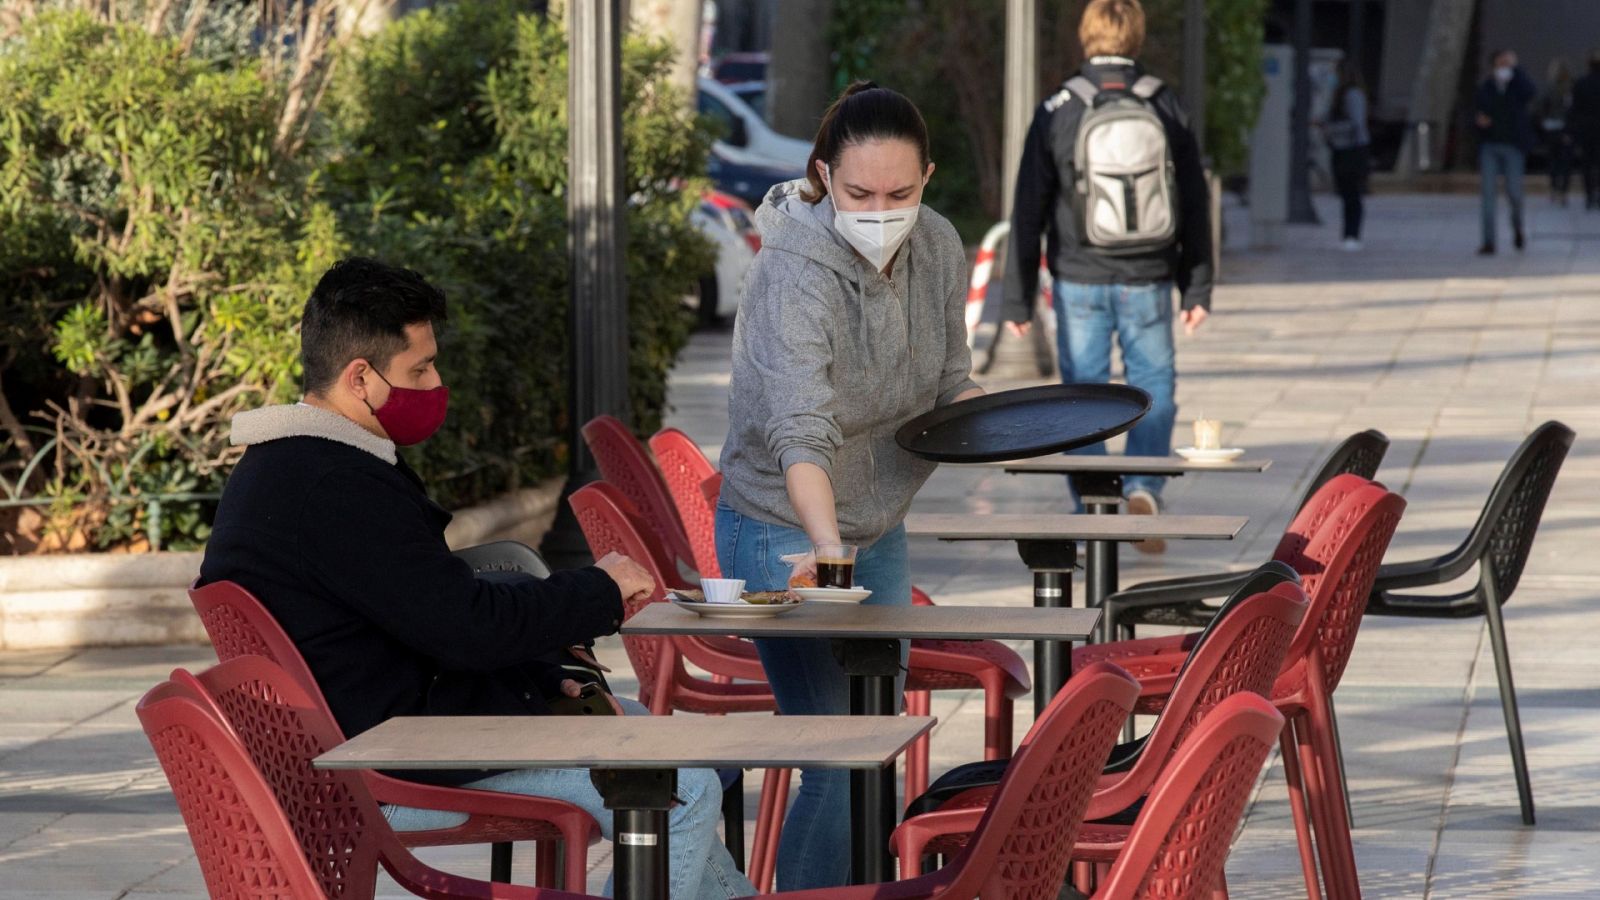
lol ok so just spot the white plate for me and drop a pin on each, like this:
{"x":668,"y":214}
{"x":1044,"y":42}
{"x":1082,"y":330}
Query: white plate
{"x":833,"y":595}
{"x":1223,"y":454}
{"x":739,"y":610}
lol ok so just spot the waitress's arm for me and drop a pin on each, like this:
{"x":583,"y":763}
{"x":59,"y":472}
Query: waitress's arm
{"x":811,"y":495}
{"x":968,"y":394}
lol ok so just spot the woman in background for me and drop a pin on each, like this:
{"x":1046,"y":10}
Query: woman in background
{"x":1348,"y":138}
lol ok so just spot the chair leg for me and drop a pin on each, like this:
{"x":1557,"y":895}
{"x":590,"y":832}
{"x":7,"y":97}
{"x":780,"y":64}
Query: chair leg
{"x":733,"y":820}
{"x":1338,"y":754}
{"x":500,"y":862}
{"x":918,"y":703}
{"x":996,"y":723}
{"x":769,"y":828}
{"x":1341,"y":840}
{"x":1508,"y":704}
{"x":1297,"y":806}
{"x":547,"y":868}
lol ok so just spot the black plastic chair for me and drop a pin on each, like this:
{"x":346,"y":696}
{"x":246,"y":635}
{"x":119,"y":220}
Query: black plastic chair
{"x":1498,"y":545}
{"x":504,"y":556}
{"x":1181,"y":601}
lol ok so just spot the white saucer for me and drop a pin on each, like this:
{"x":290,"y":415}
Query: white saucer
{"x":733,"y":610}
{"x":833,"y":595}
{"x":1221,"y":454}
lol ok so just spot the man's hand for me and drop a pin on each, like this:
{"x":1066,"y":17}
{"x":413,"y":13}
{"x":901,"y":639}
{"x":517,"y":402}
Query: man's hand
{"x":572,"y":689}
{"x":1018,"y":329}
{"x":1191,"y":319}
{"x":632,"y":580}
{"x":1484,"y":121}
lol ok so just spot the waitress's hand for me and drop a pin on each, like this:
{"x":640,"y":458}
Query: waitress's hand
{"x":803,"y":569}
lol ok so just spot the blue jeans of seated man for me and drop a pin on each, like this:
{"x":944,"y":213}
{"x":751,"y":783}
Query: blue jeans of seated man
{"x":1139,"y":317}
{"x":1495,"y":161}
{"x":699,"y":865}
{"x":806,"y":680}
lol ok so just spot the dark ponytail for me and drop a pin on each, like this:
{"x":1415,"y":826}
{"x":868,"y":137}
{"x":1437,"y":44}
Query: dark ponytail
{"x":864,"y":112}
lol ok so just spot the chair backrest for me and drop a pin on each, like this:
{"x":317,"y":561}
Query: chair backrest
{"x":1359,"y":454}
{"x":1504,"y":532}
{"x":686,"y":470}
{"x":247,"y":844}
{"x":504,"y":556}
{"x":624,"y":462}
{"x":1178,"y":845}
{"x":240,"y":625}
{"x":1023,"y":844}
{"x":608,"y":525}
{"x":1266,"y":576}
{"x":1337,"y":566}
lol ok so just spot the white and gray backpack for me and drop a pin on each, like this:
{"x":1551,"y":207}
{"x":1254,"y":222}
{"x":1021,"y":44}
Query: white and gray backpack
{"x":1126,"y":192}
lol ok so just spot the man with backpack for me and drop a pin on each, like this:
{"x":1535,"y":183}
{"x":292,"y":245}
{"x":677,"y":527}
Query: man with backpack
{"x":1111,"y":177}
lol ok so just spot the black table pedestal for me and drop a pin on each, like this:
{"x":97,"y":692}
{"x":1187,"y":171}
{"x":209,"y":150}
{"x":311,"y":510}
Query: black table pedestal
{"x":873,"y":667}
{"x":1101,"y":493}
{"x":639,"y":800}
{"x":1051,"y":563}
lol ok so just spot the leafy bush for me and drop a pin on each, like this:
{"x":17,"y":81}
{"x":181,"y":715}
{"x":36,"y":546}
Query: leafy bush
{"x":169,"y":200}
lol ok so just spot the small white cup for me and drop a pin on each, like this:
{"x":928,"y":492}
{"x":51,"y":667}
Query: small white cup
{"x":722,"y":590}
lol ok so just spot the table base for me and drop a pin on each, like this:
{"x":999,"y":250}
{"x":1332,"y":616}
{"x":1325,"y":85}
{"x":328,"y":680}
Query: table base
{"x":1051,"y":563}
{"x":639,"y":800}
{"x":873,"y":666}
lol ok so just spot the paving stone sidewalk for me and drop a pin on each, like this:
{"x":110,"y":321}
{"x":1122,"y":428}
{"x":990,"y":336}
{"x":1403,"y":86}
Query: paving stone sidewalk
{"x":1453,"y":356}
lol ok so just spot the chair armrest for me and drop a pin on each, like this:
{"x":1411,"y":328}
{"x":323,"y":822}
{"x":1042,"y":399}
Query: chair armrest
{"x":914,"y":834}
{"x":1170,"y":592}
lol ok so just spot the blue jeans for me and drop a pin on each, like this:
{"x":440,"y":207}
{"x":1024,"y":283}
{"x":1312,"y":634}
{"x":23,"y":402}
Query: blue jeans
{"x":1140,"y":317}
{"x":807,"y":681}
{"x":700,"y":866}
{"x":1495,"y":161}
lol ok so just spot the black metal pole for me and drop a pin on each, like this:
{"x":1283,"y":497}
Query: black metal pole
{"x":873,"y":667}
{"x":597,"y":337}
{"x":639,"y":800}
{"x":1356,"y":52}
{"x":1194,"y":67}
{"x":1300,"y":208}
{"x":1051,"y":563}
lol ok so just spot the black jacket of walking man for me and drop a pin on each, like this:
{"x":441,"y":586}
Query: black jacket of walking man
{"x":334,"y":533}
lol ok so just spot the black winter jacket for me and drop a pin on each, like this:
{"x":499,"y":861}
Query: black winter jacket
{"x":1510,"y":119}
{"x":1043,"y":205}
{"x":337,"y":538}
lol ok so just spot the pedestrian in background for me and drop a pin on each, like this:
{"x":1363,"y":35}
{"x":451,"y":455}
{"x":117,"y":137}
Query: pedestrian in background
{"x":1347,"y":136}
{"x":1584,"y":122}
{"x":1505,"y":132}
{"x":1111,"y":177}
{"x":1554,"y":111}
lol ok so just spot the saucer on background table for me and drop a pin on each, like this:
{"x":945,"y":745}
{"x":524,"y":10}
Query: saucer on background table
{"x":833,"y":595}
{"x":1218,"y":455}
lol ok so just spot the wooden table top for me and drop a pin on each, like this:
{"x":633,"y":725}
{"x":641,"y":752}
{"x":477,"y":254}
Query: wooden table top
{"x":628,"y":742}
{"x":1067,"y":464}
{"x":840,"y":620}
{"x":1072,"y":527}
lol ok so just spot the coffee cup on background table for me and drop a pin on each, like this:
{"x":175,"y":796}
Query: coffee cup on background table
{"x":1207,"y":434}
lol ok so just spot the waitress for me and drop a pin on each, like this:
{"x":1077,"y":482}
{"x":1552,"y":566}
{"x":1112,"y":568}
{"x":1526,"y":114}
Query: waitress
{"x":852,"y":324}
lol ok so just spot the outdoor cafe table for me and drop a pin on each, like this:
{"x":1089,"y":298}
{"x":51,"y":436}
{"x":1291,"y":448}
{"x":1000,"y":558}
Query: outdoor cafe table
{"x":1098,"y":481}
{"x":866,"y":643}
{"x":633,"y":761}
{"x":1045,"y":542}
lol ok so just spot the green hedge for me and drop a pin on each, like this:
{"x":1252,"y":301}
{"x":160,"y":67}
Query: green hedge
{"x":162,"y":233}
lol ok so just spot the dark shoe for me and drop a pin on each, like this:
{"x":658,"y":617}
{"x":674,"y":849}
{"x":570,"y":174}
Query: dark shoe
{"x":1143,"y":503}
{"x":1517,"y":240}
{"x":1486,"y":250}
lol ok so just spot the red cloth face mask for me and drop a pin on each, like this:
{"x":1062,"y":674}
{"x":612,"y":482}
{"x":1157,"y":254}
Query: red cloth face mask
{"x":411,"y":416}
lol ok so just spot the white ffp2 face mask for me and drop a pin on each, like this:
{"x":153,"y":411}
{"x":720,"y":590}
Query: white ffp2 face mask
{"x":875,"y":235}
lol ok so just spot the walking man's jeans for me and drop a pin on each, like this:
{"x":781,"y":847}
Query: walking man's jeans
{"x":1496,"y":161}
{"x":1140,"y":317}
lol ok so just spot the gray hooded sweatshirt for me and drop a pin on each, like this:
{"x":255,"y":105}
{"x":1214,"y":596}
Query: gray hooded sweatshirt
{"x":830,"y":358}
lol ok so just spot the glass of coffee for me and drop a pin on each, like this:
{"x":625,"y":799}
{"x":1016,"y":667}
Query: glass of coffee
{"x":836,"y":565}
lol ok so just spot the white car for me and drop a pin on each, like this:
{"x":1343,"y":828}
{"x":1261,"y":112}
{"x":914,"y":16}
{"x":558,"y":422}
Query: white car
{"x":730,"y":225}
{"x":746,"y":138}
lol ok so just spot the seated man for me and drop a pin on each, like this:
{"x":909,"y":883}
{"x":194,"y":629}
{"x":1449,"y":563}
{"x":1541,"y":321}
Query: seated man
{"x":334,"y":533}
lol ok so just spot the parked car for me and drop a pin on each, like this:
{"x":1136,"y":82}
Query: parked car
{"x":733,"y":67}
{"x":746,"y":138}
{"x":730,"y":224}
{"x":748,"y":181}
{"x":754,"y":95}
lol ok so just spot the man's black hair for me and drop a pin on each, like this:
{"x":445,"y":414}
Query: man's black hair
{"x":360,"y":310}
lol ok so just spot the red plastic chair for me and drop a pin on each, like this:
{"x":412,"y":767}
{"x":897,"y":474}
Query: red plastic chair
{"x":624,"y":462}
{"x":1178,"y":847}
{"x":265,"y":824}
{"x":1336,"y":549}
{"x":239,"y":625}
{"x":989,"y":666}
{"x":1242,"y":653}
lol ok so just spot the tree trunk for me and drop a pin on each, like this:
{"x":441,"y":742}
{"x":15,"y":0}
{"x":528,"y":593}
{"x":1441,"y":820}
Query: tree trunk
{"x":678,"y":21}
{"x":800,"y":77}
{"x":1433,"y":93}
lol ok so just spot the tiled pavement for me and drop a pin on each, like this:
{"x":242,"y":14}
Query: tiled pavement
{"x":1454,"y":357}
